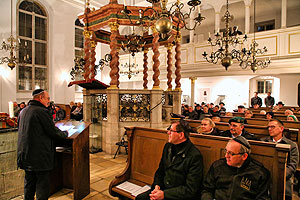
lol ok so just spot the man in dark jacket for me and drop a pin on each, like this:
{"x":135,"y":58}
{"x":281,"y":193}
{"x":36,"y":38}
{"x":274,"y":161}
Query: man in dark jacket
{"x":276,"y":135}
{"x":256,"y":100}
{"x":237,"y":176}
{"x":179,"y":175}
{"x":236,"y":128}
{"x":36,"y":149}
{"x":269,"y":100}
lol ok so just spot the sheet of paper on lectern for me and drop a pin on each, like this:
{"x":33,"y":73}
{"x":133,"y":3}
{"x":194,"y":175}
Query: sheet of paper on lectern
{"x":66,"y":127}
{"x":72,"y":131}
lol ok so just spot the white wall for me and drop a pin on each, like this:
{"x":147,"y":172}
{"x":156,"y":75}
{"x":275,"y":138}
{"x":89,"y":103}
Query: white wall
{"x":289,"y":89}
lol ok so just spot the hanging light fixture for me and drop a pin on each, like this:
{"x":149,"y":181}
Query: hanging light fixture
{"x":224,"y":40}
{"x":12,"y":46}
{"x":253,"y":63}
{"x":131,"y":69}
{"x":163,"y":18}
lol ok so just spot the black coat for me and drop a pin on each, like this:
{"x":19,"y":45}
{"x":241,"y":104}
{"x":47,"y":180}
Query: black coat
{"x":37,"y":133}
{"x":245,"y":134}
{"x":180,"y":176}
{"x":223,"y":182}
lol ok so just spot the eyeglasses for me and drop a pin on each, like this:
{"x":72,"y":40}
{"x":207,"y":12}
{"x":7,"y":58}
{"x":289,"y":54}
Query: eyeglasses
{"x":271,"y":127}
{"x":231,"y":153}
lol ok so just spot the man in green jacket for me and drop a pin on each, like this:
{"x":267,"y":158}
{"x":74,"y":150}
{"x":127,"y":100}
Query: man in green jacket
{"x":180,"y":172}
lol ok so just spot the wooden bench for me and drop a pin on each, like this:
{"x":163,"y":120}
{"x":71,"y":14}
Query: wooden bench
{"x":257,"y":130}
{"x":262,"y":116}
{"x":145,"y":147}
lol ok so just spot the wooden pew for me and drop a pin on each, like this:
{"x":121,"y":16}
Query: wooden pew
{"x":276,"y":113}
{"x":145,"y":147}
{"x":264,"y":122}
{"x":262,"y":116}
{"x":257,"y":130}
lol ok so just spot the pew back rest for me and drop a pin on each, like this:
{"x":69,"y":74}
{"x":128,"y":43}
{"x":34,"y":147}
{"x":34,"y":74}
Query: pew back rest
{"x":146,"y":145}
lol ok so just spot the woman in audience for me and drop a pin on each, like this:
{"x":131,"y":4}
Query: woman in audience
{"x":288,"y":112}
{"x":263,"y":112}
{"x":292,"y":118}
{"x":208,"y":127}
{"x":248,"y":114}
{"x":228,"y":114}
{"x":270,"y":115}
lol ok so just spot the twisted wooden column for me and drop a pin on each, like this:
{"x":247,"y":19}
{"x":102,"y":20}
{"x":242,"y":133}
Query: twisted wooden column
{"x":114,"y":26}
{"x":155,"y":59}
{"x":145,"y":71}
{"x":93,"y":53}
{"x":117,"y":66}
{"x":169,"y":67}
{"x":87,"y":49}
{"x":178,"y":62}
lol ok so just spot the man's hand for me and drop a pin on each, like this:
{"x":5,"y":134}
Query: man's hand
{"x":157,"y":194}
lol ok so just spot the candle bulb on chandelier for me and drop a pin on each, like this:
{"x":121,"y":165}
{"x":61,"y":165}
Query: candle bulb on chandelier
{"x":199,"y":11}
{"x":209,"y":34}
{"x":124,"y":2}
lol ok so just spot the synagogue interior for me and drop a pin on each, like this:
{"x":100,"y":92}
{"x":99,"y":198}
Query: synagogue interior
{"x":119,"y":71}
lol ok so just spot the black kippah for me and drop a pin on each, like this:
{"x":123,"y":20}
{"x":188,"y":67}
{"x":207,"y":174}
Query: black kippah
{"x":37,"y":91}
{"x":243,"y":141}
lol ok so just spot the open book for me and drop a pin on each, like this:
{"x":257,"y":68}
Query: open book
{"x":132,"y":188}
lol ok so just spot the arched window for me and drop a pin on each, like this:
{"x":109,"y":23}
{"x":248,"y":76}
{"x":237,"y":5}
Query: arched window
{"x":32,"y":31}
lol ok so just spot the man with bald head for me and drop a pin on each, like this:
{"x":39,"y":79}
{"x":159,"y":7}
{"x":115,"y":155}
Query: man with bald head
{"x":36,"y":149}
{"x":237,"y":176}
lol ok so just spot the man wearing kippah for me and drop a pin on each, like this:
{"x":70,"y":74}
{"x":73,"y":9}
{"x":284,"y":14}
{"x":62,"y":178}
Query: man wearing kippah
{"x":276,"y":128}
{"x":237,"y":176}
{"x":36,"y":149}
{"x":179,"y":175}
{"x":236,"y":128}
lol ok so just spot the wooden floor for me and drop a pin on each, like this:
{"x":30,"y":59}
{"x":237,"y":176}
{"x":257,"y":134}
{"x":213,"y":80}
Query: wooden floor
{"x":103,"y":169}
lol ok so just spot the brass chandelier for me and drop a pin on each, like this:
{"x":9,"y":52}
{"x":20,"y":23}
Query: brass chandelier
{"x":163,"y":18}
{"x":253,"y":63}
{"x":12,"y":46}
{"x":131,"y":69}
{"x":229,"y":38}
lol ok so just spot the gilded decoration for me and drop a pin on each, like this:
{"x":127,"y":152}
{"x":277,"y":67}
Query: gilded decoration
{"x":134,"y":107}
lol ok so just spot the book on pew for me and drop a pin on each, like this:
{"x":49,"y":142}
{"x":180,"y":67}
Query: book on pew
{"x":132,"y":188}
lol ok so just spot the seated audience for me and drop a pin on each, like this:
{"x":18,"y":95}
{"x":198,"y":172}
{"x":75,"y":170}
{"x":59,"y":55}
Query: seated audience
{"x":60,"y":114}
{"x":228,"y":114}
{"x":180,"y":171}
{"x":222,"y":108}
{"x":292,"y":118}
{"x":77,"y":114}
{"x":16,"y":108}
{"x":208,"y":127}
{"x":288,"y":112}
{"x":216,"y":118}
{"x":280,"y":104}
{"x":185,"y":110}
{"x":241,"y":109}
{"x":22,"y":105}
{"x":236,"y":128}
{"x":276,"y":128}
{"x":248,"y":114}
{"x":216,"y":110}
{"x":191,"y":114}
{"x":269,"y":115}
{"x":72,"y":106}
{"x":275,"y":108}
{"x":237,"y":176}
{"x":198,"y":111}
{"x":262,"y":112}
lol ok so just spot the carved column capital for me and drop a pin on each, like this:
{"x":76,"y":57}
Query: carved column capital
{"x":114,"y":26}
{"x":193,"y":79}
{"x":87,"y":34}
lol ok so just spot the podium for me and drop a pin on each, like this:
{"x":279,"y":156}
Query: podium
{"x":72,"y":161}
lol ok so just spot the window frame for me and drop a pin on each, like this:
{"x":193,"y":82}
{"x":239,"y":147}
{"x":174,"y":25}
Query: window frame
{"x":264,"y":89}
{"x":33,"y":40}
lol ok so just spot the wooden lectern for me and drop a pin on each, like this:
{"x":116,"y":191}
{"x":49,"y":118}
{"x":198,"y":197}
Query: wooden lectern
{"x":72,"y":163}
